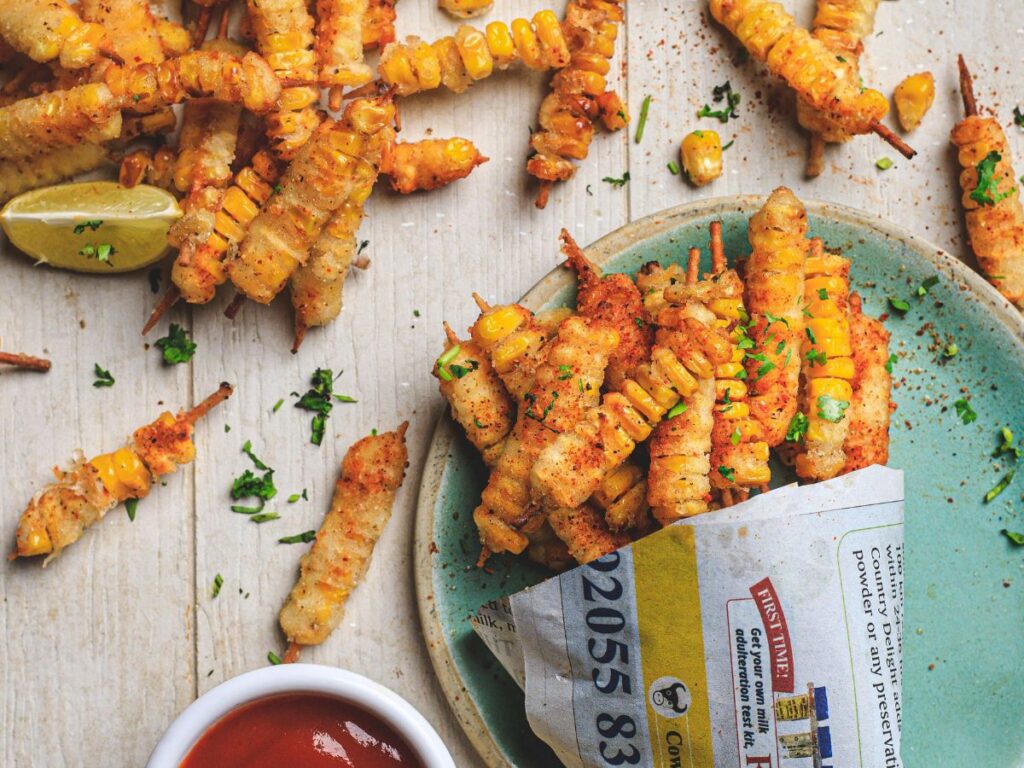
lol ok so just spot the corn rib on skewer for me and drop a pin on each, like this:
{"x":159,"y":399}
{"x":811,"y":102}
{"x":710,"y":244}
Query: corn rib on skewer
{"x":45,"y":30}
{"x":379,"y":24}
{"x":585,"y":533}
{"x":513,"y":339}
{"x":339,"y":46}
{"x":371,"y":474}
{"x":59,"y":514}
{"x":86,"y":114}
{"x":21,"y":175}
{"x":131,"y":26}
{"x":867,"y":437}
{"x":429,"y":164}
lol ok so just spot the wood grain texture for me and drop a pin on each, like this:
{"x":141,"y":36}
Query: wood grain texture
{"x":109,"y":643}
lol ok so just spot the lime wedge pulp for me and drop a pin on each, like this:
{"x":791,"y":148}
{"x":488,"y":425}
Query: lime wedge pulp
{"x":91,"y":226}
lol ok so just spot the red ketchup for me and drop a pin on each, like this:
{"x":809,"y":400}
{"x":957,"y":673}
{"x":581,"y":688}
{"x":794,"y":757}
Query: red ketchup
{"x":301,"y":729}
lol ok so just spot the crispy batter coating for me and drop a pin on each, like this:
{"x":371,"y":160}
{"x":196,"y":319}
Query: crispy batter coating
{"x":379,"y":24}
{"x":327,"y":172}
{"x":430,"y":163}
{"x":131,"y":26}
{"x":775,"y":302}
{"x":339,"y":43}
{"x":45,"y":30}
{"x":86,"y":114}
{"x":548,"y":550}
{"x":17,"y":176}
{"x":479,"y":402}
{"x":206,"y":144}
{"x":867,"y":436}
{"x":371,"y":474}
{"x":585,"y":533}
{"x":615,"y":300}
{"x":554,"y":405}
{"x":515,"y":341}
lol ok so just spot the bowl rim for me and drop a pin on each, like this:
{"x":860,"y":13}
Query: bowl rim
{"x":199,"y":716}
{"x":461,"y":701}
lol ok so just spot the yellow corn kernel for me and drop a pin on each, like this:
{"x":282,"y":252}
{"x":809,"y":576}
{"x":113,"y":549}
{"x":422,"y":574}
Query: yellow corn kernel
{"x":527,"y":44}
{"x":252,"y":185}
{"x":913,"y":98}
{"x":554,"y":49}
{"x":821,"y":307}
{"x":732,"y":370}
{"x":473,"y":51}
{"x":642,"y":401}
{"x":701,"y":155}
{"x":500,"y":44}
{"x":759,"y":475}
{"x":131,"y":471}
{"x":238,"y":204}
{"x":426,"y":66}
{"x":497,"y":324}
{"x":832,"y":335}
{"x":730,"y":308}
{"x":591,"y":62}
{"x":104,"y":465}
{"x":673,"y":370}
{"x":838,"y":389}
{"x":616,"y":483}
{"x":629,"y":418}
{"x":217,"y":243}
{"x":834,"y":367}
{"x":508,"y":351}
{"x":665,"y":396}
{"x":734,"y":411}
{"x":833,"y":286}
{"x":396,"y":70}
{"x":227,"y":227}
{"x":736,"y":390}
{"x":36,"y":543}
{"x":684,"y":465}
{"x":294,"y":99}
{"x":751,"y":432}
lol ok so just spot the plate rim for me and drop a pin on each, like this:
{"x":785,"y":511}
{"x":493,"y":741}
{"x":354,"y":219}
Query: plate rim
{"x":461,"y":703}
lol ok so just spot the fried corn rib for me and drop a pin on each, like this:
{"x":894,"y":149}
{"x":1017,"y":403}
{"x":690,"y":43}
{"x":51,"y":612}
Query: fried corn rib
{"x":430,"y":164}
{"x":841,"y":25}
{"x":578,"y":95}
{"x":88,"y":114}
{"x":21,"y":175}
{"x":867,"y":436}
{"x":471,"y":54}
{"x":328,"y":171}
{"x":364,"y":496}
{"x":514,"y":341}
{"x":991,"y":198}
{"x":58,"y":515}
{"x":284,"y":35}
{"x":829,"y":84}
{"x":828,"y":367}
{"x":45,"y":30}
{"x":585,"y":533}
{"x":479,"y":402}
{"x":153,"y":167}
{"x":339,"y":46}
{"x":379,"y":24}
{"x":554,"y":405}
{"x":775,"y":301}
{"x":131,"y":26}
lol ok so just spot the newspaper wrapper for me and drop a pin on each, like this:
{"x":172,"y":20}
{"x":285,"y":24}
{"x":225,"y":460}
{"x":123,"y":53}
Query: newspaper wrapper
{"x":765,"y":635}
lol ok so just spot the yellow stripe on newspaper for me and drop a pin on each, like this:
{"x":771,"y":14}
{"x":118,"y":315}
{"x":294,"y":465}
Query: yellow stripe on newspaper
{"x":672,"y":638}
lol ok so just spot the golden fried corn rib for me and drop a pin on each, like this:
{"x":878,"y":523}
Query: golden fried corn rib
{"x":479,"y":402}
{"x":430,"y":163}
{"x":867,"y":436}
{"x":514,"y":341}
{"x":585,"y":533}
{"x":45,"y":30}
{"x":131,"y":26}
{"x":86,"y":114}
{"x":21,"y":175}
{"x":553,"y":406}
{"x":58,"y":515}
{"x":339,"y":46}
{"x":828,"y":367}
{"x":379,"y":24}
{"x":471,"y":55}
{"x":371,"y":474}
{"x":991,"y":197}
{"x":775,"y":301}
{"x":154,"y":167}
{"x":328,"y":171}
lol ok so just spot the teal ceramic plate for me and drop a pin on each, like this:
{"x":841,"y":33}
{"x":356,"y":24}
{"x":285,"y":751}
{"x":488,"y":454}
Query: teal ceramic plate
{"x":964,"y":627}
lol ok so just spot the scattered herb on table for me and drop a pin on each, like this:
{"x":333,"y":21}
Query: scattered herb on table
{"x":273,"y":658}
{"x":884,"y":163}
{"x":1007,"y":446}
{"x":176,"y":346}
{"x":964,"y":411}
{"x":645,"y":106}
{"x":319,"y":400}
{"x":1001,"y":486}
{"x":890,"y":362}
{"x":103,"y":377}
{"x":620,"y":182}
{"x":1014,"y":537}
{"x":720,"y":93}
{"x":250,"y":484}
{"x":131,"y":506}
{"x":673,"y":168}
{"x":927,"y":285}
{"x":300,"y":538}
{"x":218,"y":582}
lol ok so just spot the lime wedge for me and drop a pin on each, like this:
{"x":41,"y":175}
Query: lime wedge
{"x":92,"y":226}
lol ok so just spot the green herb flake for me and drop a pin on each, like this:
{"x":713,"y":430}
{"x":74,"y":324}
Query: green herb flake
{"x":176,"y":346}
{"x":273,"y":658}
{"x":987,"y":190}
{"x":131,"y":506}
{"x":728,"y":473}
{"x":620,"y":182}
{"x":822,"y":294}
{"x":814,"y":357}
{"x":532,"y":400}
{"x":265,"y":517}
{"x":300,"y":538}
{"x":1001,"y":486}
{"x":645,"y":105}
{"x":884,"y":163}
{"x":1014,"y":537}
{"x":92,"y":224}
{"x":891,"y":362}
{"x":736,"y":436}
{"x":103,"y":377}
{"x":564,"y":372}
{"x":218,"y":582}
{"x":676,"y":409}
{"x":964,"y":411}
{"x":1007,"y":446}
{"x":478,"y":424}
{"x":810,"y":335}
{"x":772,"y":319}
{"x":725,"y":147}
{"x":294,"y":498}
{"x":797,"y":427}
{"x":1018,"y":117}
{"x":277,"y":405}
{"x":951,"y":350}
{"x":318,"y":398}
{"x":362,"y":246}
{"x":673,"y":168}
{"x":722,"y":93}
{"x":832,"y":410}
{"x":927,"y":285}
{"x":899,"y":305}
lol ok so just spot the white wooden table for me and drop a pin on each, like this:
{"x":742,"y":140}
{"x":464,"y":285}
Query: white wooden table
{"x":103,"y":648}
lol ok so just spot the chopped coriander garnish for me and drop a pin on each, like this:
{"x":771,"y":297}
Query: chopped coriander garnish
{"x":300,"y":538}
{"x":218,"y":582}
{"x":1018,"y":117}
{"x":1007,"y":445}
{"x":728,"y":473}
{"x":832,"y":410}
{"x":265,"y":517}
{"x":736,"y":436}
{"x":532,"y":400}
{"x":900,"y":305}
{"x":362,"y":246}
{"x":478,"y":424}
{"x":130,"y":506}
{"x":987,"y":191}
{"x":415,"y":313}
{"x":620,"y":182}
{"x":294,"y":497}
{"x":1001,"y":485}
{"x":176,"y":346}
{"x":673,"y":168}
{"x":797,"y":427}
{"x":884,"y":163}
{"x":639,"y":322}
{"x":318,"y":399}
{"x":249,"y":484}
{"x":277,"y":405}
{"x":810,"y":335}
{"x":676,"y":409}
{"x":822,"y":294}
{"x":458,"y":371}
{"x":814,"y":356}
{"x":243,"y":510}
{"x":1014,"y":537}
{"x":726,"y":146}
{"x":645,"y":105}
{"x":247,"y":450}
{"x":92,"y":224}
{"x":445,"y":359}
{"x":724,"y":93}
{"x":227,"y":428}
{"x":564,"y":372}
{"x":964,"y":411}
{"x":930,"y":282}
{"x":772,"y":319}
{"x":273,"y":658}
{"x":277,"y":189}
{"x":951,"y":350}
{"x":103,"y":377}
{"x":890,"y":362}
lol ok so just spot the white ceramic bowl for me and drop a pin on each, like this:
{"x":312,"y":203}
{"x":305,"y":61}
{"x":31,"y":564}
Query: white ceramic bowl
{"x":300,"y":678}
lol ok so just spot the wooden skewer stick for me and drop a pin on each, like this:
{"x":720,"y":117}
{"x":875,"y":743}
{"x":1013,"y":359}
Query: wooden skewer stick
{"x":481,"y":302}
{"x":717,"y":248}
{"x":223,"y":392}
{"x":542,"y":194}
{"x":693,"y":267}
{"x":291,"y":654}
{"x":169,"y":300}
{"x":893,"y":140}
{"x":25,"y":362}
{"x":234,"y":306}
{"x":453,"y":338}
{"x":300,"y":335}
{"x":967,"y":88}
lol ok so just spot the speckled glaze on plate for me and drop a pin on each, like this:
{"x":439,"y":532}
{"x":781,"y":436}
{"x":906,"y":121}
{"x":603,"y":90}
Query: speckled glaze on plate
{"x":964,"y":622}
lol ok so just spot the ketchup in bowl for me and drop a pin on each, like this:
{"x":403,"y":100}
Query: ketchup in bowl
{"x":301,"y":729}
